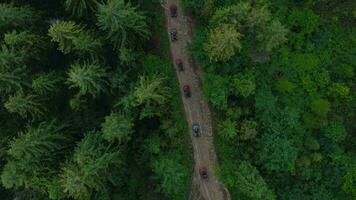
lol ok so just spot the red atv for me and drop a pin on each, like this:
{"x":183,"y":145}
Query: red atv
{"x":186,"y":91}
{"x":179,"y":64}
{"x":173,"y":10}
{"x":203,"y":171}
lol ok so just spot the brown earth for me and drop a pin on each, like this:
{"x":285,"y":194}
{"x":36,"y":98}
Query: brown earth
{"x":196,"y":109}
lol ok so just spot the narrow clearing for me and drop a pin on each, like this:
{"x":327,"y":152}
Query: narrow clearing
{"x":196,"y":110}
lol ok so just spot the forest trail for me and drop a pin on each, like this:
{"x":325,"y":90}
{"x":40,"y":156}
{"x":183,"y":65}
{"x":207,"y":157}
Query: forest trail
{"x":196,"y":109}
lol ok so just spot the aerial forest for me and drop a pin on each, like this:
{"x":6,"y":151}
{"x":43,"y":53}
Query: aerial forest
{"x":89,"y":107}
{"x":280,"y":76}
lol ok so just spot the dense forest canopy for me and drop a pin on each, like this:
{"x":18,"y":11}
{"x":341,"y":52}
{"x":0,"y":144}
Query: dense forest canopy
{"x":89,"y":108}
{"x":281,"y":78}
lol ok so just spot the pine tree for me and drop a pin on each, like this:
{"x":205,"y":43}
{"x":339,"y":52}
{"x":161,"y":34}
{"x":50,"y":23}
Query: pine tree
{"x":45,"y":83}
{"x":80,"y":8}
{"x":89,"y":78}
{"x":30,"y":155}
{"x":73,"y":38}
{"x":64,"y":33}
{"x":24,"y":105}
{"x":117,"y":127}
{"x":26,"y":43}
{"x":15,"y":17}
{"x":89,"y":170}
{"x":119,"y":20}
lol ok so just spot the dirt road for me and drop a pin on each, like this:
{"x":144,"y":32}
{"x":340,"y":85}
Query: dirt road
{"x":196,"y":110}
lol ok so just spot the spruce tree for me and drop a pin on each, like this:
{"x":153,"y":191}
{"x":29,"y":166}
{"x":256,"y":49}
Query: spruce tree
{"x":15,"y":17}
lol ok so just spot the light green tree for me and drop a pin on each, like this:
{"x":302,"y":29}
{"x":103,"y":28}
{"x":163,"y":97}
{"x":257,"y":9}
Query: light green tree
{"x":120,"y":20}
{"x":151,"y":94}
{"x":248,"y":130}
{"x":24,"y":105}
{"x":89,"y":78}
{"x":73,"y":38}
{"x":117,"y":127}
{"x":320,"y":107}
{"x":31,"y":152}
{"x":64,"y":32}
{"x":250,"y":182}
{"x":223,"y":42}
{"x":90,"y":168}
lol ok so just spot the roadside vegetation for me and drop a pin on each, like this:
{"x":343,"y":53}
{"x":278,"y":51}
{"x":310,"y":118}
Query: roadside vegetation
{"x":280,"y":76}
{"x":89,"y":103}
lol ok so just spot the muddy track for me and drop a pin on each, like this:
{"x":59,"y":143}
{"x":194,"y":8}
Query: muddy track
{"x":196,"y":109}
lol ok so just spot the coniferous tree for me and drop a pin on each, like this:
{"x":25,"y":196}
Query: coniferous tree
{"x":80,"y":8}
{"x":89,"y":78}
{"x":24,"y":105}
{"x":30,"y":155}
{"x":45,"y":83}
{"x":89,"y":171}
{"x":119,"y":20}
{"x":64,"y":33}
{"x":117,"y":127}
{"x":73,"y":38}
{"x":15,"y":17}
{"x":26,"y":43}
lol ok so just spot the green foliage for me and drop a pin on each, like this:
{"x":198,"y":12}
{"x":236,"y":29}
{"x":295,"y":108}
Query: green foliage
{"x":26,"y":43}
{"x":245,"y":84}
{"x":64,"y":33}
{"x":120,"y":20}
{"x":246,"y":179}
{"x":223,"y":42}
{"x":150,"y":93}
{"x":89,"y":78}
{"x":277,"y":153}
{"x":31,"y":153}
{"x":73,"y":38}
{"x":117,"y":127}
{"x":248,"y":130}
{"x":24,"y":105}
{"x":90,"y":168}
{"x":45,"y":83}
{"x":12,"y":16}
{"x":336,"y":131}
{"x":349,"y":185}
{"x":171,"y":175}
{"x":228,"y":129}
{"x":80,"y":8}
{"x":216,"y":89}
{"x":320,"y":107}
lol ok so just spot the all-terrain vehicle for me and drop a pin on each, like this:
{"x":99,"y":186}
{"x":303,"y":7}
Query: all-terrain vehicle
{"x":174,"y":34}
{"x":179,"y":64}
{"x":203,"y":171}
{"x":173,"y":10}
{"x":196,"y":130}
{"x":186,"y":91}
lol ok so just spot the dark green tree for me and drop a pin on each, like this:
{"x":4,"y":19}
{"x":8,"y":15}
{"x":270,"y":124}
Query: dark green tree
{"x":120,"y":20}
{"x":24,"y":105}
{"x":80,"y":8}
{"x":46,"y":83}
{"x":15,"y":17}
